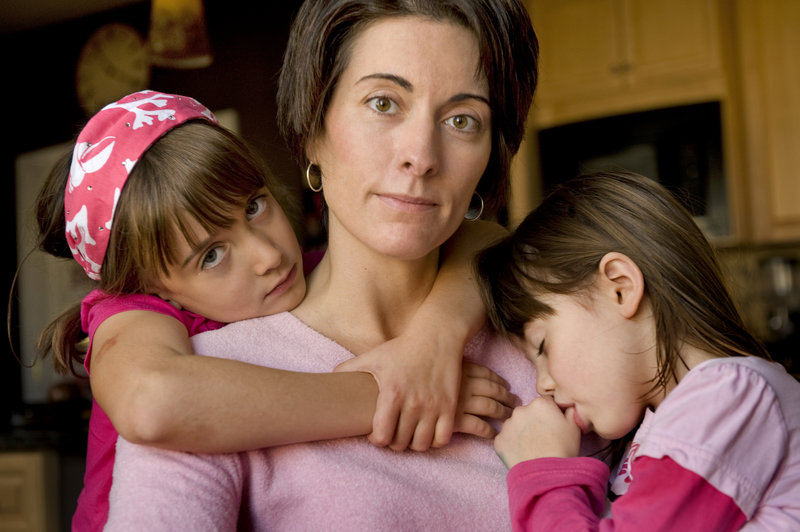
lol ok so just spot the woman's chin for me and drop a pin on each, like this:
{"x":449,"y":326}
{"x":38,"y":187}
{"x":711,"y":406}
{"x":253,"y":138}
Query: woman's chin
{"x":409,"y":245}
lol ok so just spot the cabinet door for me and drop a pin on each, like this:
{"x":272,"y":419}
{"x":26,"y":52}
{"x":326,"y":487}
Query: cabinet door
{"x":580,"y":47}
{"x":671,"y":40}
{"x":605,"y":57}
{"x":28,"y":491}
{"x":770,"y":76}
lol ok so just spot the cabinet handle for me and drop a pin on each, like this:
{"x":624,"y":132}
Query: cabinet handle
{"x":622,"y":68}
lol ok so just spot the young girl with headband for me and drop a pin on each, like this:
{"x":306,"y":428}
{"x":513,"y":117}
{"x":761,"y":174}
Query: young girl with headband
{"x":184,"y":231}
{"x":617,"y":297}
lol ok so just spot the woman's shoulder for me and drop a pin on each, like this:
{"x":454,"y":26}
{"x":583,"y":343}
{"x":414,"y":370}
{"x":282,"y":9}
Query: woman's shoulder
{"x":279,"y":341}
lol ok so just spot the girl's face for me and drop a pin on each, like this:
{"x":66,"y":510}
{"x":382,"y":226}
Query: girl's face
{"x":406,"y":137}
{"x":589,"y":357}
{"x":254,"y":268}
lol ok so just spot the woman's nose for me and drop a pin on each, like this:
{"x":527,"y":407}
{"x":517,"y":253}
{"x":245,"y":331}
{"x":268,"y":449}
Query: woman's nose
{"x":420,"y":144}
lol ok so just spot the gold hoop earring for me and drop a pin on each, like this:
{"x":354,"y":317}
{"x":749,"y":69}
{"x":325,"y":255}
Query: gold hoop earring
{"x":313,"y":188}
{"x":473,"y":213}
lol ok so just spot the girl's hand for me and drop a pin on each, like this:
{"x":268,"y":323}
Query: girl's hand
{"x":418,"y":391}
{"x":538,"y":430}
{"x":418,"y":373}
{"x":484,"y":394}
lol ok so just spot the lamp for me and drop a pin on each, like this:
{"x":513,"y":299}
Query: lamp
{"x":177,"y":37}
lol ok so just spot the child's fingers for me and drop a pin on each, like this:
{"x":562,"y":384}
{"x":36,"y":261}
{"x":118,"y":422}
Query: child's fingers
{"x":493,"y":390}
{"x":404,"y":432}
{"x":471,"y":369}
{"x":444,"y":429}
{"x":536,"y":430}
{"x":470,"y":424}
{"x":487,"y":407}
{"x":423,"y":434}
{"x":384,"y":422}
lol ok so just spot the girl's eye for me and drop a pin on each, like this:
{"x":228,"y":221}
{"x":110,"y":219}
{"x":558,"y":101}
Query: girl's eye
{"x":256,"y":207}
{"x":541,"y":349}
{"x":463,"y":122}
{"x":212,"y":258}
{"x":382,"y":104}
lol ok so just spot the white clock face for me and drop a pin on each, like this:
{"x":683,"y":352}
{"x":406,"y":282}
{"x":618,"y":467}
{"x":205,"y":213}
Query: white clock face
{"x":113,"y":62}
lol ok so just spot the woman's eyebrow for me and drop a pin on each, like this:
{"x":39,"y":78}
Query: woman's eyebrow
{"x":405,"y":84}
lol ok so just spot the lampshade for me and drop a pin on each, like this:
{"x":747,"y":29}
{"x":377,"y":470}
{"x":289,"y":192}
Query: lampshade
{"x":178,"y":37}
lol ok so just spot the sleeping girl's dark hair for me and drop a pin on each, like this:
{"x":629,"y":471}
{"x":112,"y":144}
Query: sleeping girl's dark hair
{"x":558,"y":247}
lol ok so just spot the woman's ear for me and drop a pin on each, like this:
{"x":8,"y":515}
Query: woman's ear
{"x":621,"y":279}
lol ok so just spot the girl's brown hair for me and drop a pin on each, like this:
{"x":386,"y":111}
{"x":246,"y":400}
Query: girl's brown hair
{"x":558,"y":247}
{"x":198,"y":170}
{"x":318,"y":52}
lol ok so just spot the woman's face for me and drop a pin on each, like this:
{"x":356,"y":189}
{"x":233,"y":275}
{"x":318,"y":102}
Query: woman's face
{"x":406,"y":137}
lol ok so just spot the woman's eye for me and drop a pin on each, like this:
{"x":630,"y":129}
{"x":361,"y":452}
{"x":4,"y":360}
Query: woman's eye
{"x":463,"y":122}
{"x":212,"y":258}
{"x":255,"y":207}
{"x":382,"y":104}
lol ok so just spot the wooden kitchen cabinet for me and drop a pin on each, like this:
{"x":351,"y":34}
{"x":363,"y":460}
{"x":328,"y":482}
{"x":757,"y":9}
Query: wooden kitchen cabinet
{"x":28,"y":491}
{"x":768,"y":41}
{"x":603,"y":57}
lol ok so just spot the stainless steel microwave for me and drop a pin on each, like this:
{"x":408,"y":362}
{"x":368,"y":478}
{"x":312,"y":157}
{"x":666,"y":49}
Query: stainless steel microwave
{"x":681,"y":147}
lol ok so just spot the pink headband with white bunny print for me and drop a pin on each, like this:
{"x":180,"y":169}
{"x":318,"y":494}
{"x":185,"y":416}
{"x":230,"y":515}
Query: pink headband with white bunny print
{"x":106,"y":151}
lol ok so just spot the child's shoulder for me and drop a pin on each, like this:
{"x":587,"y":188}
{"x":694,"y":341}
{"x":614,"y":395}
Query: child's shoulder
{"x":746,"y":374}
{"x":98,"y":306}
{"x":731,"y":421}
{"x":729,"y":404}
{"x":108,"y":304}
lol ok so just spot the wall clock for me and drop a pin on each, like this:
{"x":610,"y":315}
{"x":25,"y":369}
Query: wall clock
{"x":113,"y":62}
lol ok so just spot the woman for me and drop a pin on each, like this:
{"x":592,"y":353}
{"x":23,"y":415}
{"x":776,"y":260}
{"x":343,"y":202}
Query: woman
{"x":405,"y":112}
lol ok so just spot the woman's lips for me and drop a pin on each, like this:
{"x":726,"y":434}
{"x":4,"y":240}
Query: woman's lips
{"x":405,"y":203}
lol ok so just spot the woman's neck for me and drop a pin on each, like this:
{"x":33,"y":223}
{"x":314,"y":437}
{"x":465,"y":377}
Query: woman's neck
{"x":361,"y":299}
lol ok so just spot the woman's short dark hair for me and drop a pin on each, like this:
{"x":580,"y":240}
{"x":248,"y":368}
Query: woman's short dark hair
{"x":319,"y":50}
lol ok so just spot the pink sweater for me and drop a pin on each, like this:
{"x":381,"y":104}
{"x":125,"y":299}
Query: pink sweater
{"x":334,"y":485}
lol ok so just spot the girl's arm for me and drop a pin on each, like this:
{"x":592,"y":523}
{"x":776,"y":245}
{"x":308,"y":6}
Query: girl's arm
{"x":150,"y":485}
{"x":569,"y":494}
{"x":551,"y":488}
{"x":156,"y":392}
{"x":418,"y":372}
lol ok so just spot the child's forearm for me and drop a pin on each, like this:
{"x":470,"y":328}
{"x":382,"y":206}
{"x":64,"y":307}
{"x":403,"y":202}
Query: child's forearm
{"x":156,"y":392}
{"x":454,"y":304}
{"x":204,"y":404}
